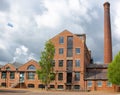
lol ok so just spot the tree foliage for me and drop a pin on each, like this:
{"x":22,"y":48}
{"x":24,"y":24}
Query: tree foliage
{"x":114,"y":70}
{"x":45,"y":73}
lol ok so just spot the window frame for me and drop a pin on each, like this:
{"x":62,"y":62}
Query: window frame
{"x":60,"y":76}
{"x":60,"y":64}
{"x":76,"y":50}
{"x":12,"y":75}
{"x":89,"y":83}
{"x":77,"y":77}
{"x":76,"y":63}
{"x":61,"y":40}
{"x":61,"y":51}
{"x":99,"y":83}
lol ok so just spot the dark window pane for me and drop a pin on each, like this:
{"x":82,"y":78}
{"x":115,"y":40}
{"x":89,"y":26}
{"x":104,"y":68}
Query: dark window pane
{"x":53,"y":63}
{"x":60,"y":63}
{"x":3,"y":75}
{"x":77,"y":63}
{"x":77,"y":87}
{"x":61,"y":40}
{"x":52,"y":86}
{"x":12,"y":75}
{"x":31,"y":67}
{"x":30,"y":85}
{"x":60,"y":86}
{"x":61,"y":51}
{"x":70,"y":42}
{"x":69,"y":52}
{"x":31,"y":75}
{"x":77,"y":50}
{"x":60,"y":76}
{"x":77,"y":76}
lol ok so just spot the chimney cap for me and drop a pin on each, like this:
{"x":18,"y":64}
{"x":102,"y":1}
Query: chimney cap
{"x":106,"y":4}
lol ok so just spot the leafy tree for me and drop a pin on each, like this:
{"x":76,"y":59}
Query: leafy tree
{"x":45,"y":73}
{"x":114,"y":70}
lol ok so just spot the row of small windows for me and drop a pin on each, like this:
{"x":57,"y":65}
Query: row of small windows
{"x":61,"y":50}
{"x":61,"y":63}
{"x":99,"y":83}
{"x":30,"y":75}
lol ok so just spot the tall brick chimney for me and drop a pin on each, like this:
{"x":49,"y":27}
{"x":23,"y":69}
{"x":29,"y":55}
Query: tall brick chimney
{"x":107,"y":34}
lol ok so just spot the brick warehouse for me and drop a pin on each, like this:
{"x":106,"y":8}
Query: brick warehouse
{"x":73,"y":65}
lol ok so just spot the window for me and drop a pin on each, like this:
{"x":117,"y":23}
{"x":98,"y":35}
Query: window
{"x":31,"y":67}
{"x":77,"y":76}
{"x":70,"y":42}
{"x":99,"y":83}
{"x":77,"y":50}
{"x":3,"y":84}
{"x":61,"y":51}
{"x":52,"y":86}
{"x":109,"y":84}
{"x":69,"y":52}
{"x":60,"y":86}
{"x":61,"y":40}
{"x":60,"y":76}
{"x":3,"y":75}
{"x":89,"y":83}
{"x":41,"y":86}
{"x":30,"y":85}
{"x":53,"y":63}
{"x":31,"y":75}
{"x":12,"y":75}
{"x":60,"y":63}
{"x":8,"y":68}
{"x":77,"y":87}
{"x":77,"y":63}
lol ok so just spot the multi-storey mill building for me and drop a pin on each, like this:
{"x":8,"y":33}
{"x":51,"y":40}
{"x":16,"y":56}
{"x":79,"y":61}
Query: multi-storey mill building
{"x":72,"y":63}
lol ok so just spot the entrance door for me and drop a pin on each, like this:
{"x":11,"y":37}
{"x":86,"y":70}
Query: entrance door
{"x":22,"y":77}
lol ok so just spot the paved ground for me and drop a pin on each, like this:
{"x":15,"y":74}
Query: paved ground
{"x":42,"y":92}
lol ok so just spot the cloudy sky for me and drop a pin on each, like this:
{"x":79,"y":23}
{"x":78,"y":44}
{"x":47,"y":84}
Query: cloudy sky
{"x":25,"y":25}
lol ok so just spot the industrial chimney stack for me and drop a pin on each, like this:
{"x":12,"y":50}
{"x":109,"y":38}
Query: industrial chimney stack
{"x":107,"y":34}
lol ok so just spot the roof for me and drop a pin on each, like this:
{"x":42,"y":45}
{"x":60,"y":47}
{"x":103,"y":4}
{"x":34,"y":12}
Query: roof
{"x":16,"y":64}
{"x":96,"y":74}
{"x":90,"y":66}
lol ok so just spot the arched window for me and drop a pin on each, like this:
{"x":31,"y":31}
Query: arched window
{"x":7,"y":68}
{"x":31,"y":67}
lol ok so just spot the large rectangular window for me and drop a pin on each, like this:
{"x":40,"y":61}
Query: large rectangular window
{"x":60,"y":63}
{"x":61,"y":50}
{"x":3,"y":75}
{"x":77,"y":76}
{"x":61,"y":40}
{"x":77,"y":63}
{"x":60,"y":76}
{"x":12,"y":75}
{"x":31,"y":75}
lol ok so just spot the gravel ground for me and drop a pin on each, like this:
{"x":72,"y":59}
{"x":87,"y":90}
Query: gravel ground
{"x":42,"y":92}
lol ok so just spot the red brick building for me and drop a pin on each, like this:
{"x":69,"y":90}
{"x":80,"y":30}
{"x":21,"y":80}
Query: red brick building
{"x":72,"y":63}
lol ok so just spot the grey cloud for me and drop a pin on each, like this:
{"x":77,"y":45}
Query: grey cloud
{"x":4,"y":5}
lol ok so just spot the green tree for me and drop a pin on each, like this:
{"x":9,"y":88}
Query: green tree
{"x":114,"y":70}
{"x":45,"y":73}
